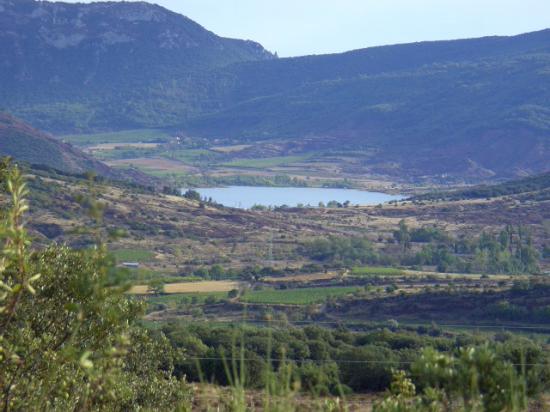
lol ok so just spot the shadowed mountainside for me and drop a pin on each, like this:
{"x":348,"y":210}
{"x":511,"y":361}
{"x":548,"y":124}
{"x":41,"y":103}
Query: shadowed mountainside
{"x":24,"y":143}
{"x":474,"y":108}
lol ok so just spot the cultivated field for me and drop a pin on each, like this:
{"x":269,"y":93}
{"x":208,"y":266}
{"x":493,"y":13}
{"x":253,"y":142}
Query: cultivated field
{"x":119,"y":146}
{"x":190,"y":287}
{"x":126,"y":136}
{"x":302,"y":296}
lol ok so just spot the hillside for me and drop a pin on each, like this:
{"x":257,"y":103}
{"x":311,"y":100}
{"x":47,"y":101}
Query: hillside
{"x":340,"y":287}
{"x":472,"y":108}
{"x":445,"y":111}
{"x":111,"y":65}
{"x":533,"y":187}
{"x":24,"y":143}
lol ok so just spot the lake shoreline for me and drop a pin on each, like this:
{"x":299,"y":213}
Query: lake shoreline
{"x":246,"y":197}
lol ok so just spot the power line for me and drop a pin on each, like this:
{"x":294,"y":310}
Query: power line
{"x":322,"y":361}
{"x":364,"y":323}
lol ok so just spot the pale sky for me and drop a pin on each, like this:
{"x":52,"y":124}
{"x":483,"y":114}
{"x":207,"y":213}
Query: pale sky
{"x":300,"y":27}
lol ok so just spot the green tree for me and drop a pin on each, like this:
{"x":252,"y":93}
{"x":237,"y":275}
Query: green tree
{"x":402,"y":235}
{"x":475,"y":379}
{"x":156,"y":286}
{"x":68,"y":339}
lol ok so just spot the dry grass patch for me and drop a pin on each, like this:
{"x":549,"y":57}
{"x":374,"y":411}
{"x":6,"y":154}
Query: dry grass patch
{"x":230,"y":149}
{"x":191,"y":287}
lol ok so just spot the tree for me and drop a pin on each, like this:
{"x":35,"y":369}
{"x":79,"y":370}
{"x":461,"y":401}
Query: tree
{"x":156,"y":286}
{"x":68,"y":335}
{"x":192,"y":195}
{"x":216,"y":271}
{"x":473,"y":379}
{"x":403,"y":236}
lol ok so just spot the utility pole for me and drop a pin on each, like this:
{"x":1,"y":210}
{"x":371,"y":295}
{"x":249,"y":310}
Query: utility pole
{"x":270,"y":248}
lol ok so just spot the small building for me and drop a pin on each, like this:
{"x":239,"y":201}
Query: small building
{"x":131,"y":265}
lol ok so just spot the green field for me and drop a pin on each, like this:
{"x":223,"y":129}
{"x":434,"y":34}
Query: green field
{"x":191,"y":156}
{"x":165,"y":173}
{"x":302,"y":296}
{"x":133,"y":255}
{"x":125,"y":136}
{"x":116,"y":154}
{"x":375,"y":271}
{"x":266,"y":162}
{"x":183,"y":298}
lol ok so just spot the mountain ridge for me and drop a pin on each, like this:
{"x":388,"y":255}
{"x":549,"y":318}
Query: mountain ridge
{"x":476,"y":108}
{"x":481,"y":115}
{"x":66,"y":66}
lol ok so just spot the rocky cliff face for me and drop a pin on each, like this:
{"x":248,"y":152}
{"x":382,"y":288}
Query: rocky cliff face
{"x":62,"y":26}
{"x":76,"y":57}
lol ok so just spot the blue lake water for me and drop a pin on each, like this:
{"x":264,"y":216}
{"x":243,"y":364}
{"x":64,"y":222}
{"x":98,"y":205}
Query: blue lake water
{"x":245,"y":197}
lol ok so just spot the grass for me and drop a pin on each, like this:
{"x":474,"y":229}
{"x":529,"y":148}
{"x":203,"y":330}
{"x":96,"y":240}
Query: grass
{"x":175,"y":299}
{"x":302,"y":296}
{"x":125,"y":136}
{"x":266,"y":162}
{"x":164,"y":173}
{"x":116,"y":154}
{"x":191,"y":156}
{"x":133,"y":255}
{"x":376,"y":271}
{"x":143,"y":275}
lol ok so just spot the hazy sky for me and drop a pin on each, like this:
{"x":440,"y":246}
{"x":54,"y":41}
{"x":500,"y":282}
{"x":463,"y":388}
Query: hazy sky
{"x":298,"y":27}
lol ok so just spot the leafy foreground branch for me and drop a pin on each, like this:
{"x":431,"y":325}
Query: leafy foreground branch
{"x":69,"y":341}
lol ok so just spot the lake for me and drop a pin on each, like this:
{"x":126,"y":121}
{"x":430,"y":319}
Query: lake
{"x":245,"y":197}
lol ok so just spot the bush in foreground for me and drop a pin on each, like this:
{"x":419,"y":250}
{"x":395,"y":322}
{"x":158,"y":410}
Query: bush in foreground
{"x":68,"y":339}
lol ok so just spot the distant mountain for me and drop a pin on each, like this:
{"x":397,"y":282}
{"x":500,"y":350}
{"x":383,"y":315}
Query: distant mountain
{"x":472,"y":108}
{"x":24,"y":143}
{"x":109,"y":64}
{"x":477,"y":108}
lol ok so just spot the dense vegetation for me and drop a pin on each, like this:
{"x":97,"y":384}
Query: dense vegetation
{"x":68,"y":335}
{"x":511,"y":251}
{"x":337,"y":361}
{"x":529,"y":184}
{"x":70,"y":339}
{"x":525,"y":302}
{"x":338,"y":250}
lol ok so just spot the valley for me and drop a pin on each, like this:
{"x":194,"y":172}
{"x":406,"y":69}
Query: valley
{"x":442,"y":266}
{"x":191,"y":223}
{"x":175,"y":239}
{"x":188,"y":162}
